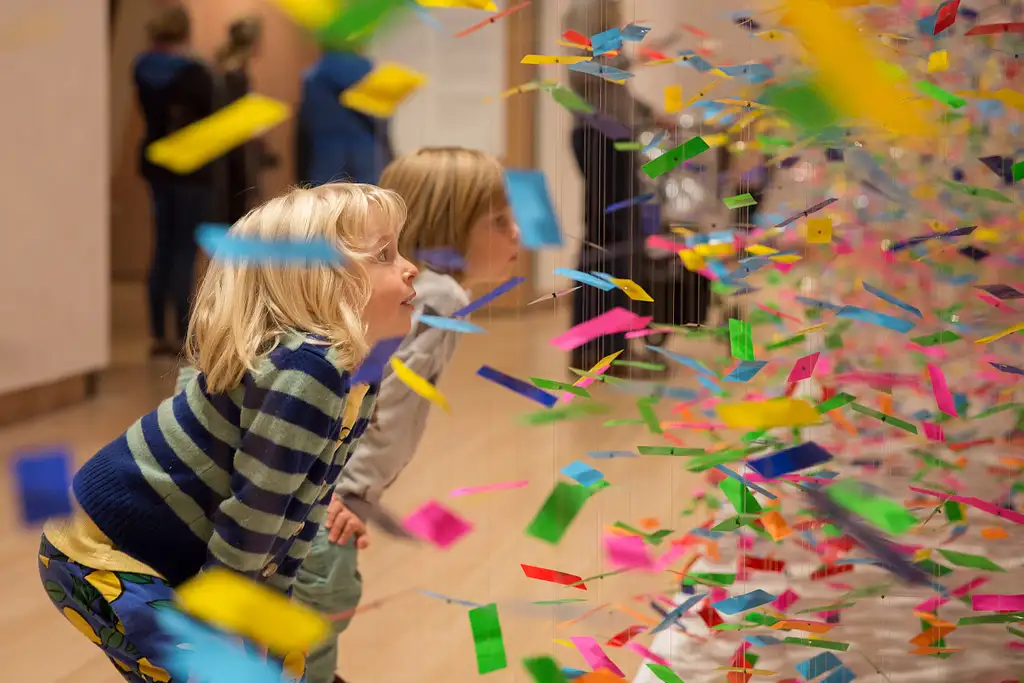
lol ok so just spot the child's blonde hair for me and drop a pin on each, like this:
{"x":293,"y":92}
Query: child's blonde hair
{"x":446,"y":190}
{"x":243,"y":307}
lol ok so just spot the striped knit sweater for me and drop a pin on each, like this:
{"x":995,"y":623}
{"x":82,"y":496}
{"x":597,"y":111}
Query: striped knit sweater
{"x":240,"y":479}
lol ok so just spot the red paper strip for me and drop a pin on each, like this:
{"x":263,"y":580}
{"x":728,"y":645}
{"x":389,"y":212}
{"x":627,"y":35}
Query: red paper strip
{"x":710,"y":616}
{"x":624,"y":636}
{"x":561,"y":578}
{"x":491,"y":19}
{"x":989,"y":29}
{"x":576,"y":38}
{"x":831,"y":571}
{"x":763,"y":564}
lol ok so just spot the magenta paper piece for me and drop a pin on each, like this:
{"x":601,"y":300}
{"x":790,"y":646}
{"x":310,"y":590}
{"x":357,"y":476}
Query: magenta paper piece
{"x":984,"y":506}
{"x":435,"y":523}
{"x":647,"y":654}
{"x":585,"y":382}
{"x":931,"y":604}
{"x":963,"y":590}
{"x":627,"y":552}
{"x":660,"y":242}
{"x":989,"y":602}
{"x":594,"y":655}
{"x":488,"y":488}
{"x":787,"y":598}
{"x":803,"y":368}
{"x":933,"y":431}
{"x":615,"y":320}
{"x":669,"y":556}
{"x":943,"y":398}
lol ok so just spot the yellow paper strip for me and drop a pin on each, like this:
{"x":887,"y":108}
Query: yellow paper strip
{"x":776,"y":412}
{"x":632,"y":289}
{"x":554,"y":59}
{"x":381,"y":91}
{"x":199,"y":143}
{"x":673,"y":99}
{"x":999,"y":335}
{"x":312,"y":14}
{"x":421,"y":386}
{"x":470,"y":4}
{"x":237,"y":605}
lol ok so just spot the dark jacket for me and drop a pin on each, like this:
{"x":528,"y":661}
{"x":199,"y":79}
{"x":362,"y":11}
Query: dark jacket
{"x":335,"y":142}
{"x":240,"y":164}
{"x":173,"y":91}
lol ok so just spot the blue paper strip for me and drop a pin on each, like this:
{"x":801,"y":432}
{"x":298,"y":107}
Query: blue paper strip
{"x":745,"y":371}
{"x":585,"y":278}
{"x":741,"y":603}
{"x":639,"y":199}
{"x":608,"y":455}
{"x":519,"y":386}
{"x":43,"y":480}
{"x":818,"y":665}
{"x":533,"y":210}
{"x":441,"y":258}
{"x":875,"y":318}
{"x":211,"y":657}
{"x":840,"y":675}
{"x":582,"y":473}
{"x":634,"y":33}
{"x":762,"y":641}
{"x":490,"y":296}
{"x":1003,"y":367}
{"x":685,"y":360}
{"x":605,"y":71}
{"x":215,"y":241}
{"x":442,"y":323}
{"x":746,"y":482}
{"x":885,"y":296}
{"x":678,"y":611}
{"x":748,"y":266}
{"x":655,"y":141}
{"x":790,"y":460}
{"x":709,"y":384}
{"x":606,"y":41}
{"x":372,"y":368}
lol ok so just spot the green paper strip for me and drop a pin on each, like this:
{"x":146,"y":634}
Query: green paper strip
{"x":733,"y":523}
{"x":933,"y":568}
{"x":642,"y":364}
{"x":558,"y":602}
{"x":826,"y":608}
{"x":970,"y":561}
{"x":742,"y":499}
{"x":490,"y":647}
{"x":672,"y":158}
{"x":774,"y":142}
{"x":739,"y":201}
{"x":954,"y":511}
{"x":544,"y":670}
{"x":620,"y":422}
{"x":975,"y":191}
{"x":760,"y":618}
{"x":741,"y":339}
{"x":665,"y":674}
{"x":1011,"y":618}
{"x":555,"y":385}
{"x":998,"y":409}
{"x":886,"y":514}
{"x":570,"y":100}
{"x":356,"y":22}
{"x":837,"y":401}
{"x":785,"y":342}
{"x":669,"y":450}
{"x":731,"y":627}
{"x":708,"y":579}
{"x":628,"y":146}
{"x":646,"y":408}
{"x":929,"y":89}
{"x":559,"y":510}
{"x":884,"y":417}
{"x":566,"y":412}
{"x":824,"y":644}
{"x":944,"y":337}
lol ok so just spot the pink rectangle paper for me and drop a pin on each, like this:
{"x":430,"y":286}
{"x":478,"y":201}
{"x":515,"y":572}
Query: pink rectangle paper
{"x":594,"y":655}
{"x":489,"y":488}
{"x":989,"y":602}
{"x":943,"y":398}
{"x":803,"y":368}
{"x":435,"y":523}
{"x":933,"y":431}
{"x":627,"y":552}
{"x":787,"y":598}
{"x":615,"y":320}
{"x":647,"y":654}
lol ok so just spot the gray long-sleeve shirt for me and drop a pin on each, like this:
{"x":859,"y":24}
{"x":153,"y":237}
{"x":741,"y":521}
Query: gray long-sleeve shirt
{"x":401,"y":417}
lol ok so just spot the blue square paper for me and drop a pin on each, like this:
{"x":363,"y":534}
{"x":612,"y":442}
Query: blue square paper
{"x":44,"y":485}
{"x":531,"y":205}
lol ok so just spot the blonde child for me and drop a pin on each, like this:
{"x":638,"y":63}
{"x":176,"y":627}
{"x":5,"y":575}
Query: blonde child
{"x":236,"y":470}
{"x":456,"y":200}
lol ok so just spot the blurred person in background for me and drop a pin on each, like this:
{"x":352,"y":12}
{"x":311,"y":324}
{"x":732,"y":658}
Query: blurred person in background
{"x":238,"y":174}
{"x":609,"y":176}
{"x":335,"y":142}
{"x":174,"y":89}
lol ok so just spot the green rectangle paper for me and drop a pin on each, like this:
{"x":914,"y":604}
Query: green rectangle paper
{"x":885,"y":418}
{"x":628,"y":146}
{"x":544,"y":670}
{"x":664,"y":674}
{"x":742,"y":499}
{"x":785,"y":342}
{"x":559,"y":510}
{"x":741,"y":339}
{"x":555,"y":385}
{"x":672,"y":158}
{"x":944,"y":337}
{"x":570,"y":100}
{"x":884,"y":513}
{"x":825,"y":644}
{"x":837,"y":401}
{"x":739,"y":201}
{"x":669,"y":450}
{"x":490,"y":647}
{"x":933,"y":91}
{"x":970,"y":561}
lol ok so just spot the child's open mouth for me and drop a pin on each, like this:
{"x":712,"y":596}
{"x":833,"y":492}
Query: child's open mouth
{"x":408,"y":300}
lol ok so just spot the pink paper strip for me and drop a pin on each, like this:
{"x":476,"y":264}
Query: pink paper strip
{"x":610,"y":322}
{"x":703,"y":426}
{"x":585,"y":382}
{"x":963,"y":590}
{"x":647,"y":654}
{"x":787,"y":598}
{"x":943,"y":398}
{"x":931,"y":604}
{"x":594,"y":655}
{"x":660,"y":242}
{"x":627,"y":552}
{"x":803,"y":368}
{"x":933,"y":431}
{"x":990,"y":602}
{"x":489,"y":488}
{"x":668,"y":557}
{"x":984,"y":506}
{"x":435,"y":523}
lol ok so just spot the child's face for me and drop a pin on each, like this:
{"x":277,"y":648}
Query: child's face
{"x":389,"y":311}
{"x":493,"y":247}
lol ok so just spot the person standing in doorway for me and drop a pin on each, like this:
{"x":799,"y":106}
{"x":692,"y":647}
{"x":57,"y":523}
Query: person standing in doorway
{"x":174,"y":90}
{"x":335,"y":142}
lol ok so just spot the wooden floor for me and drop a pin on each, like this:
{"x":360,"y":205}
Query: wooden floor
{"x":411,"y":637}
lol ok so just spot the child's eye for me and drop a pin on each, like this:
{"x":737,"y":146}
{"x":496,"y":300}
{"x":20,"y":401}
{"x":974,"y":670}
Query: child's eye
{"x":384,"y":256}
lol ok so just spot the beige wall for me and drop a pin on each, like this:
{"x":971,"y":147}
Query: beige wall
{"x":276,"y":73}
{"x":54,"y":272}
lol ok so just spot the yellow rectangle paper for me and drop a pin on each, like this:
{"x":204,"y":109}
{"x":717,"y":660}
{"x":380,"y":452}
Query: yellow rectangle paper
{"x":312,"y":14}
{"x":419,"y":385}
{"x":761,"y":250}
{"x":235,"y":604}
{"x":938,"y":61}
{"x":692,"y":260}
{"x":819,"y":230}
{"x":632,"y":289}
{"x":554,"y":59}
{"x":775,"y":412}
{"x":381,"y":91}
{"x":199,"y":143}
{"x":471,"y":4}
{"x":673,"y":99}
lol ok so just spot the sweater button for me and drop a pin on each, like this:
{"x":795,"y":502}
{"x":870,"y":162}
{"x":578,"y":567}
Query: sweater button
{"x":298,"y":529}
{"x":269,"y":570}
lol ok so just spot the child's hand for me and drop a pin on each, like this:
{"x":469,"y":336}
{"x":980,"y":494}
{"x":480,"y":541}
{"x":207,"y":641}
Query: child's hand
{"x":342,"y":524}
